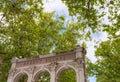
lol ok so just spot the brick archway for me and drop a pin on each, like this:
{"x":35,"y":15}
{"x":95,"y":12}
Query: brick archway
{"x":19,"y":76}
{"x":38,"y":73}
{"x":63,"y":69}
{"x":53,"y":64}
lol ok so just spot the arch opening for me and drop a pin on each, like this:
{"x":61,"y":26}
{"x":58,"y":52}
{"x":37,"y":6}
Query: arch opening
{"x":22,"y":77}
{"x":67,"y":75}
{"x":42,"y":77}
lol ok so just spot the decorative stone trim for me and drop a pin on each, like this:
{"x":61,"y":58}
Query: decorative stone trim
{"x":54,"y":64}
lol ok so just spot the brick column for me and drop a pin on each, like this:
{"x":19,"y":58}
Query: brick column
{"x":52,"y":76}
{"x":30,"y":79}
{"x":80,"y":62}
{"x":12,"y":70}
{"x":80,"y":75}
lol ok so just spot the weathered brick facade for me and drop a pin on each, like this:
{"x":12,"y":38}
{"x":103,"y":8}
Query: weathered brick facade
{"x":52,"y":63}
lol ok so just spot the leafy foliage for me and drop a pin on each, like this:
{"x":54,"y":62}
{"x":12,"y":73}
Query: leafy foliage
{"x":103,"y":16}
{"x":85,"y":12}
{"x":23,"y":78}
{"x":68,"y":75}
{"x":44,"y":77}
{"x":27,"y":31}
{"x":107,"y":66}
{"x":110,"y":61}
{"x":100,"y":15}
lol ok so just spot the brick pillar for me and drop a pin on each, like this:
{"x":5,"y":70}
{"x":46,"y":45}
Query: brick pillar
{"x":80,"y":75}
{"x":12,"y":70}
{"x":80,"y":62}
{"x":52,"y":76}
{"x":30,"y":79}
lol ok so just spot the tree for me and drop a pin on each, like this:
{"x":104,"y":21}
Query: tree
{"x":107,"y":66}
{"x":86,"y":13}
{"x":68,"y":75}
{"x":103,"y":16}
{"x":96,"y":16}
{"x":27,"y":31}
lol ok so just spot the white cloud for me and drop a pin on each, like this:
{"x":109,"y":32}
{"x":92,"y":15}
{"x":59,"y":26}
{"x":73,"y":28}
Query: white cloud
{"x":54,"y":5}
{"x":101,"y":36}
{"x":90,"y":51}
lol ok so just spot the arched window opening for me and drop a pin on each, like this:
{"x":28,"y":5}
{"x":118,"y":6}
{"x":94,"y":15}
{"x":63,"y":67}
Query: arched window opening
{"x":42,"y":77}
{"x":21,"y":78}
{"x":67,"y":75}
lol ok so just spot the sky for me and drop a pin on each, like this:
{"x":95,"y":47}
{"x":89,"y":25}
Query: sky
{"x":61,"y":9}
